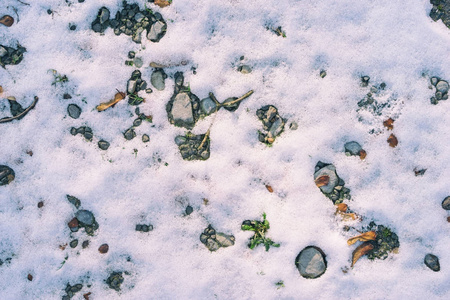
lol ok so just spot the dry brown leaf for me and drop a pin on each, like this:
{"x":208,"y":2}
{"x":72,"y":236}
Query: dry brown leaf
{"x":366,"y":236}
{"x":322,"y":180}
{"x":7,"y":20}
{"x":348,"y":216}
{"x":118,"y":97}
{"x":269,"y":188}
{"x":162,"y":3}
{"x":392,"y":140}
{"x":362,"y":154}
{"x":62,"y":247}
{"x":360,"y":251}
{"x":1,"y":90}
{"x":341,"y":207}
{"x":389,"y":124}
{"x":86,"y":296}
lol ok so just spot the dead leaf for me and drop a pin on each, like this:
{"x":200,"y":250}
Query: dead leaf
{"x":392,"y":140}
{"x":62,"y":247}
{"x":118,"y":97}
{"x":322,"y":180}
{"x":366,"y":236}
{"x":341,"y":207}
{"x":360,"y":251}
{"x":362,"y":154}
{"x":86,"y":296}
{"x":389,"y":124}
{"x":162,"y":3}
{"x":269,"y":188}
{"x":7,"y":20}
{"x":348,"y":216}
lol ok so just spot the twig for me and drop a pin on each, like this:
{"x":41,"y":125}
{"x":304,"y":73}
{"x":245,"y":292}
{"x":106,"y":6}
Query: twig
{"x":204,"y":139}
{"x":23,"y":2}
{"x":5,"y":120}
{"x":239,"y":99}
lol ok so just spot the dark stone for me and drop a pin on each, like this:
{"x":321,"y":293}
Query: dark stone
{"x":365,"y":81}
{"x":446,"y":203}
{"x":75,"y":201}
{"x":137,"y":122}
{"x":104,"y":145}
{"x":15,"y":107}
{"x":73,"y":243}
{"x":104,"y":248}
{"x":432,"y":262}
{"x":311,"y":262}
{"x":6,"y":175}
{"x":213,"y":241}
{"x":67,"y":96}
{"x":273,"y":124}
{"x":85,"y":217}
{"x":73,"y":27}
{"x":189,"y":210}
{"x":129,"y":134}
{"x":74,"y":111}
{"x":329,"y":183}
{"x":158,"y":78}
{"x":114,"y":280}
{"x":85,"y":244}
{"x":352,"y":148}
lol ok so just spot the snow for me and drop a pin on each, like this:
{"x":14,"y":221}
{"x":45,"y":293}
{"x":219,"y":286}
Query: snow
{"x":391,"y":41}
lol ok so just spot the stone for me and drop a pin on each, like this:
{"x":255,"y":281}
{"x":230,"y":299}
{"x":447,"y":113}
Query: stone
{"x":330,"y":171}
{"x":75,"y":201}
{"x":434,"y":80}
{"x":245,"y":69}
{"x":138,"y":62}
{"x":85,"y":217}
{"x":104,"y":248}
{"x":365,"y":81}
{"x":15,"y":107}
{"x":102,"y":144}
{"x":293,"y":126}
{"x":273,"y":124}
{"x":193,"y":147}
{"x":131,"y":86}
{"x":157,"y":31}
{"x":6,"y":175}
{"x":74,"y":111}
{"x":352,"y":148}
{"x":189,"y":210}
{"x":137,"y":122}
{"x":158,"y":79}
{"x":85,"y":244}
{"x":442,"y":86}
{"x":182,"y":113}
{"x":323,"y":73}
{"x":432,"y":262}
{"x":129,"y":134}
{"x":225,"y":240}
{"x":213,"y":241}
{"x":144,"y":227}
{"x":103,"y":15}
{"x":446,"y":203}
{"x":311,"y":262}
{"x":208,"y":106}
{"x":131,"y":54}
{"x":145,"y":138}
{"x":114,"y":280}
{"x":73,"y":243}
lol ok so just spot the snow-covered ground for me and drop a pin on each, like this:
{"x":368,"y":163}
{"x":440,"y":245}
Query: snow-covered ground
{"x":394,"y":42}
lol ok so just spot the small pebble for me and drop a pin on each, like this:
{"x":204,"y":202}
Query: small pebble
{"x":103,"y":248}
{"x":432,"y":262}
{"x":129,"y":134}
{"x":189,"y":210}
{"x":131,"y":54}
{"x":73,"y":27}
{"x":323,"y":73}
{"x":74,"y":111}
{"x":73,"y":243}
{"x":67,"y":96}
{"x":30,"y":277}
{"x":40,"y":204}
{"x":145,"y":138}
{"x":137,"y":122}
{"x":446,"y":203}
{"x":104,"y":145}
{"x":149,"y":91}
{"x":85,"y":244}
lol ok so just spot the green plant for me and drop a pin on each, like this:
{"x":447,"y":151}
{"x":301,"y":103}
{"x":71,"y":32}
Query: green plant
{"x":58,"y":78}
{"x":260,"y":228}
{"x":135,"y":99}
{"x":135,"y":152}
{"x":280,"y":284}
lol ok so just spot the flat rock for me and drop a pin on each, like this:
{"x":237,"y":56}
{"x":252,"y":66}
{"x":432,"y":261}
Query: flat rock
{"x":311,"y":262}
{"x":352,"y":148}
{"x":85,"y":217}
{"x":157,"y":31}
{"x":74,"y":111}
{"x":6,"y":175}
{"x":330,"y":171}
{"x":432,"y":262}
{"x":182,"y":113}
{"x":104,"y":145}
{"x":208,"y":106}
{"x":158,"y":78}
{"x":129,"y":134}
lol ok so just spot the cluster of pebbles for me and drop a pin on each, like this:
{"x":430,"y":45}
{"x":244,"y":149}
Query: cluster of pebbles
{"x":11,"y":56}
{"x":114,"y":280}
{"x":330,"y":184}
{"x":134,"y":85}
{"x":273,"y":124}
{"x":441,"y":87}
{"x":83,"y":218}
{"x":133,"y":22}
{"x":193,"y":147}
{"x":441,"y":10}
{"x":71,"y":290}
{"x":214,"y":240}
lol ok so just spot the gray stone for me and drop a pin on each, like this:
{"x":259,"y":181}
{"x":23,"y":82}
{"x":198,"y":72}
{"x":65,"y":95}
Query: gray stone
{"x":189,"y":210}
{"x":293,"y":126}
{"x":330,"y":171}
{"x":157,"y":31}
{"x":224,"y":240}
{"x":137,"y":122}
{"x":442,"y":86}
{"x":179,"y":140}
{"x":74,"y":200}
{"x":129,"y":134}
{"x":182,"y":110}
{"x":73,"y":243}
{"x":311,"y":262}
{"x":158,"y":79}
{"x":434,"y":80}
{"x":432,"y":262}
{"x":131,"y":86}
{"x":323,"y":73}
{"x":208,"y":106}
{"x":245,"y":69}
{"x":6,"y":175}
{"x":137,"y":37}
{"x":103,"y":15}
{"x":273,"y":123}
{"x":104,"y":145}
{"x":74,"y":111}
{"x":3,"y":51}
{"x":446,"y":203}
{"x":85,"y":217}
{"x":352,"y":148}
{"x":138,"y":62}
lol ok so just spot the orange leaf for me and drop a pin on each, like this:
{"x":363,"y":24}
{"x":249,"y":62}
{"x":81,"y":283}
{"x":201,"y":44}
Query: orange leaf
{"x":322,"y":180}
{"x":162,"y":3}
{"x":389,"y":124}
{"x":269,"y":188}
{"x":360,"y":251}
{"x":362,"y":154}
{"x":7,"y":20}
{"x":118,"y":97}
{"x":341,"y":207}
{"x":366,"y":236}
{"x":348,"y":216}
{"x":392,"y":140}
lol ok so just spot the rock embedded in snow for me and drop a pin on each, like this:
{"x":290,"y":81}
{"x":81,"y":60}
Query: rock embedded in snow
{"x":432,"y":262}
{"x":6,"y":175}
{"x":75,"y":201}
{"x":245,"y":69}
{"x":208,"y":106}
{"x":193,"y":147}
{"x":101,"y":22}
{"x":446,"y":203}
{"x":213,"y":241}
{"x":145,"y":138}
{"x":11,"y":56}
{"x":442,"y":86}
{"x":441,"y":10}
{"x":442,"y":89}
{"x":86,"y":217}
{"x":129,"y":134}
{"x":273,"y":124}
{"x":104,"y":145}
{"x":330,"y":183}
{"x":352,"y":148}
{"x":158,"y":78}
{"x":74,"y":111}
{"x":311,"y":262}
{"x":115,"y":280}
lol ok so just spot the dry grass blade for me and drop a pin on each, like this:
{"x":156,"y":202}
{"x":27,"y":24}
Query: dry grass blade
{"x":392,"y":140}
{"x":7,"y":20}
{"x":360,"y":251}
{"x":322,"y":180}
{"x":118,"y":97}
{"x":366,"y":236}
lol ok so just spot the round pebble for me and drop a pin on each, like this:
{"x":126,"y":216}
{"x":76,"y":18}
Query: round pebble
{"x":74,"y":111}
{"x":104,"y":145}
{"x":103,"y":248}
{"x":311,"y":262}
{"x":85,"y":217}
{"x":446,"y":203}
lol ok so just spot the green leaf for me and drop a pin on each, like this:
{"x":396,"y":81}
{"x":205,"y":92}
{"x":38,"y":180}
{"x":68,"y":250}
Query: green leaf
{"x":247,"y":227}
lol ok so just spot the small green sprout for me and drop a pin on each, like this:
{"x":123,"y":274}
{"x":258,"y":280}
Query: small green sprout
{"x":58,"y":78}
{"x":135,"y":99}
{"x":135,"y":152}
{"x":280,"y":284}
{"x":260,"y":228}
